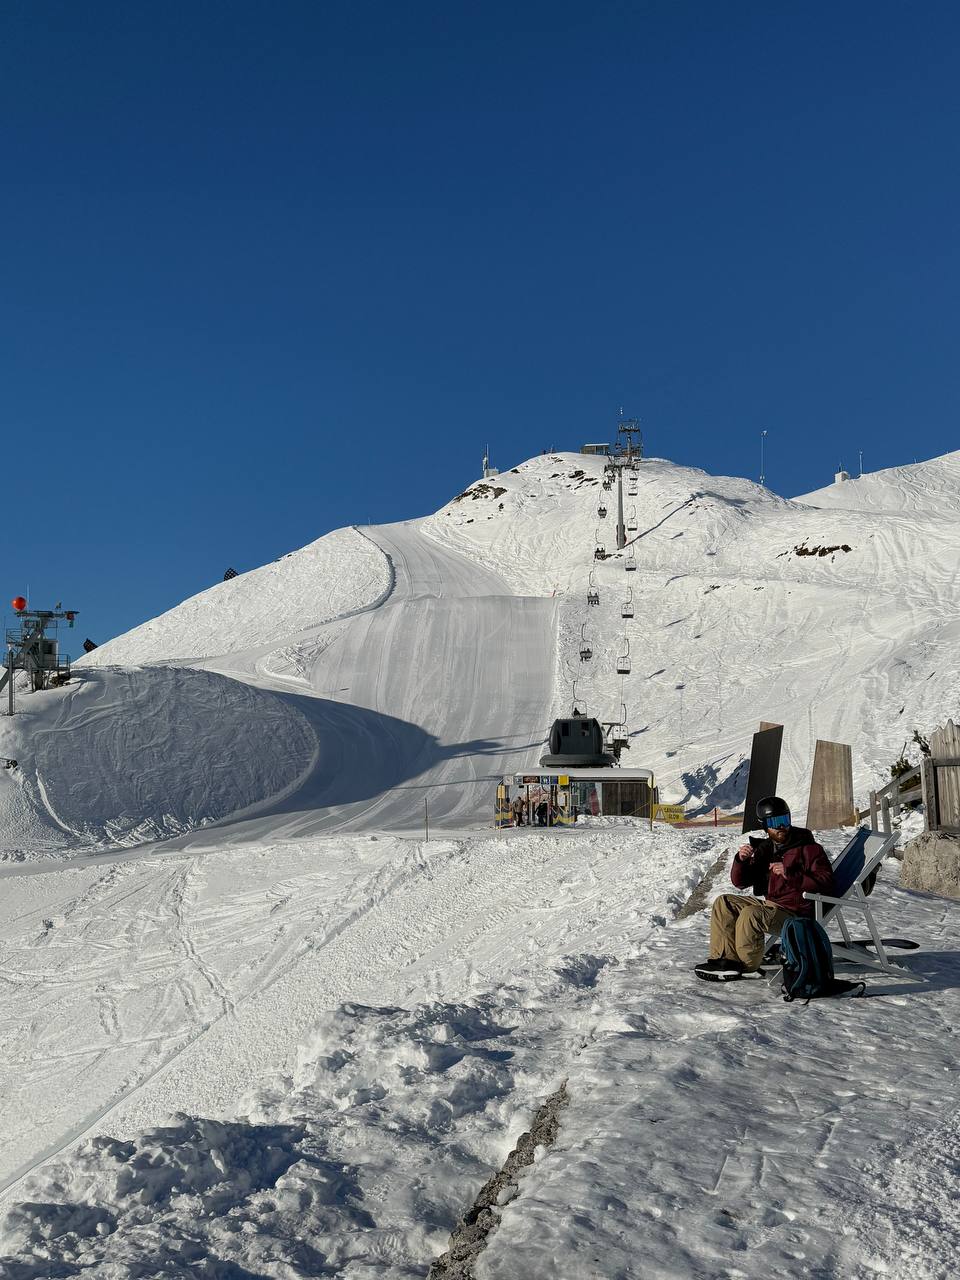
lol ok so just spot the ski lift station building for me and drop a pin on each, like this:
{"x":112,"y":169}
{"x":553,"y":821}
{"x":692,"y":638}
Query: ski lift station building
{"x":594,"y":792}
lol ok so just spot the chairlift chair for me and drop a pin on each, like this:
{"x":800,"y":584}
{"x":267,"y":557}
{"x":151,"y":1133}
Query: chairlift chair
{"x":600,"y":552}
{"x":602,"y":511}
{"x":586,"y":653}
{"x":593,"y":597}
{"x":616,"y":734}
{"x":626,"y":609}
{"x":631,"y":562}
{"x":623,"y":661}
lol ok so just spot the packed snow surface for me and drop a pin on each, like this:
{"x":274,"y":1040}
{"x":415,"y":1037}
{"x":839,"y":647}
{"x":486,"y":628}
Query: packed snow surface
{"x":307,"y":1058}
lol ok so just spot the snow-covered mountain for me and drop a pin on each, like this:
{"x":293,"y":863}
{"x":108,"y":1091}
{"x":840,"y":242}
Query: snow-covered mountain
{"x":836,"y":613}
{"x":291,"y":1036}
{"x":418,"y":662}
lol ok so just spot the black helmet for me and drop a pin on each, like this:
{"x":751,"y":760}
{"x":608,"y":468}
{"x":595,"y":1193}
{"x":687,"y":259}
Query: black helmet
{"x":773,"y":807}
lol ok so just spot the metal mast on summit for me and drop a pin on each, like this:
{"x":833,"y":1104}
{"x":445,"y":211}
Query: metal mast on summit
{"x":627,"y":452}
{"x":630,"y":440}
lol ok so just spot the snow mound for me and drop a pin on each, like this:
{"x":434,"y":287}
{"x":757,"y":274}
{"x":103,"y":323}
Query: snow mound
{"x":341,"y":573}
{"x":134,"y":754}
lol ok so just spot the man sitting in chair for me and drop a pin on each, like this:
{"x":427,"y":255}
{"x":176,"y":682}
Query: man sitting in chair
{"x":779,"y":868}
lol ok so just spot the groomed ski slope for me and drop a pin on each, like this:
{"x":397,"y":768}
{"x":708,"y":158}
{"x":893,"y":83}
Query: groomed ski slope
{"x":405,"y":708}
{"x":431,"y":696}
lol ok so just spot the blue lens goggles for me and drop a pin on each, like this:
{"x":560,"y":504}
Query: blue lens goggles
{"x":779,"y":820}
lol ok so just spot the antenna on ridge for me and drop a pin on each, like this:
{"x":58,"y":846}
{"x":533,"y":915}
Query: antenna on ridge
{"x":763,"y":477}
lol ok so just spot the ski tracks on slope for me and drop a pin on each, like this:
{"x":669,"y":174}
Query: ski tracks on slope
{"x":177,"y":996}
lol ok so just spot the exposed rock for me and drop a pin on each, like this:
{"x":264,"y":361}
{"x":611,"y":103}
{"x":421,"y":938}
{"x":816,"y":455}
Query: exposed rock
{"x":932,"y":862}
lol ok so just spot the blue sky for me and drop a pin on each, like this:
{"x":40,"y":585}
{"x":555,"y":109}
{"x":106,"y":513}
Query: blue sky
{"x":270,"y":269}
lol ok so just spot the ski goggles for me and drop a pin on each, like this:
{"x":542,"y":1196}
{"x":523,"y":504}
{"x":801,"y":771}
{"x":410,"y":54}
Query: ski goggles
{"x":778,"y":820}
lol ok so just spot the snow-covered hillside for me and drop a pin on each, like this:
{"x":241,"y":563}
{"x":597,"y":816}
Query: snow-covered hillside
{"x":841,"y":623}
{"x":919,"y":490}
{"x":430,"y":657}
{"x":338,"y":574}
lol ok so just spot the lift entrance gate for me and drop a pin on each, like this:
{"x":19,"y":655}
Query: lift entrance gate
{"x":557,"y":797}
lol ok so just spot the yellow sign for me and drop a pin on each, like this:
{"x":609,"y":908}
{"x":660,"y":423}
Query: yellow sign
{"x":669,"y":812}
{"x":563,"y":780}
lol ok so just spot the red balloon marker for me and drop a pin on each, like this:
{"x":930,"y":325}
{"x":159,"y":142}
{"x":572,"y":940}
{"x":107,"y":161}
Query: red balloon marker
{"x":19,"y":603}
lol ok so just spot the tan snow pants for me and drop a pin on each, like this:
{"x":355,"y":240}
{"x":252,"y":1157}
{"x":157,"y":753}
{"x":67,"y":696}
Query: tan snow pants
{"x":737,"y":927}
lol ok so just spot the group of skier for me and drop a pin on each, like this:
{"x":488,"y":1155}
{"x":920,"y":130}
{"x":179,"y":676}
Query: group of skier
{"x":541,"y":815}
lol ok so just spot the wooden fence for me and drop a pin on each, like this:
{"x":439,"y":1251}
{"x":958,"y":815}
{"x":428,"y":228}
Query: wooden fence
{"x":935,"y":781}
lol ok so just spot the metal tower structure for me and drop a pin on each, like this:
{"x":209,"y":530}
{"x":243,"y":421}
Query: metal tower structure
{"x":630,"y":439}
{"x":34,"y":647}
{"x":621,"y":529}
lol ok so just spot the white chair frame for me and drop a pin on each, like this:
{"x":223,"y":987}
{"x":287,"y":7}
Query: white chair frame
{"x":876,"y":846}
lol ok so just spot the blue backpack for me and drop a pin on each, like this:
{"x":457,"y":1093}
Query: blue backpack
{"x":808,"y":963}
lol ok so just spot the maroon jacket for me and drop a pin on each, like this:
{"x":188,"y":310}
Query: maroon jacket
{"x":806,"y":869}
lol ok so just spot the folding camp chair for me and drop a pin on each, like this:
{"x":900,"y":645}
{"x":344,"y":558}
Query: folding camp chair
{"x":857,"y":864}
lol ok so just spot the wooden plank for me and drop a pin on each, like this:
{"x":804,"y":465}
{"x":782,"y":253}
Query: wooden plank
{"x":944,"y":750}
{"x":764,"y":770}
{"x":926,"y":786}
{"x":831,"y":788}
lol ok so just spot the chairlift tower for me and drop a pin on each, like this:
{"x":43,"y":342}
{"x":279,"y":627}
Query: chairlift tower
{"x":621,"y":529}
{"x":630,"y":439}
{"x":34,"y":647}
